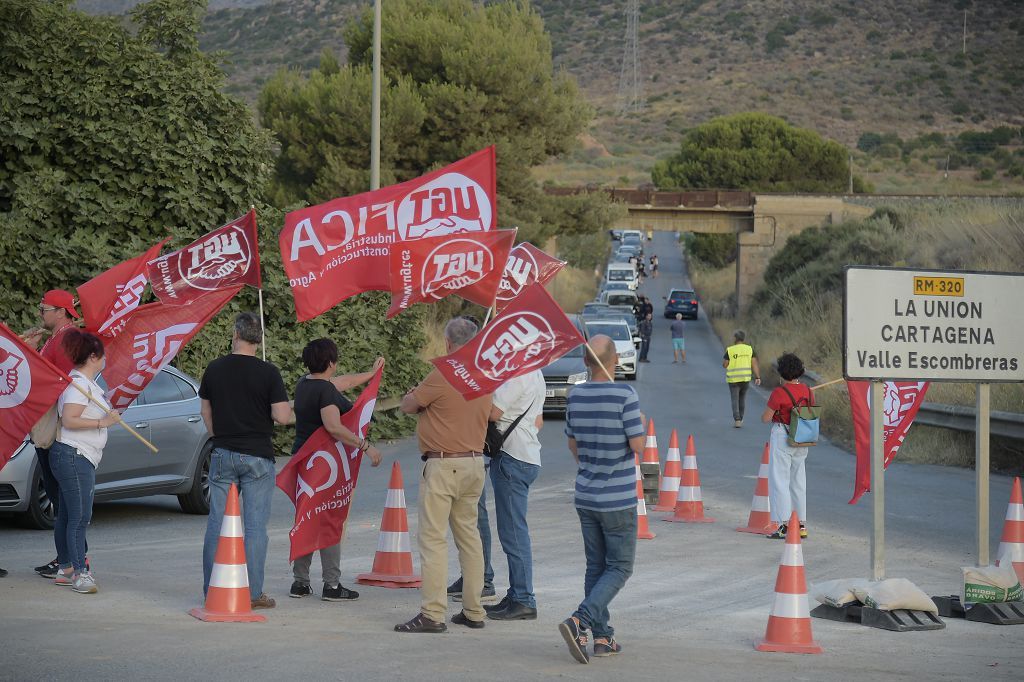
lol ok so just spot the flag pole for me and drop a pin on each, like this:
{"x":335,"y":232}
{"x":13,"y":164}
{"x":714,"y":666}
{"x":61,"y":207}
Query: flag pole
{"x":600,"y":364}
{"x":117,"y":415}
{"x":263,"y":327}
{"x":487,"y":316}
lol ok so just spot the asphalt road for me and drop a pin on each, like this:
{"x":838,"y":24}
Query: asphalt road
{"x":699,"y":596}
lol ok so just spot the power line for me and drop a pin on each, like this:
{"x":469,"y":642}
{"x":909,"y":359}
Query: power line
{"x":631,"y":97}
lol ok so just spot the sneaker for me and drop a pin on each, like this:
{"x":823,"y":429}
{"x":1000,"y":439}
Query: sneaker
{"x":576,"y":638}
{"x":606,"y":647}
{"x":85,"y":583}
{"x":803,"y":530}
{"x":338,"y":593}
{"x":3,"y":573}
{"x":64,"y":579}
{"x":455,"y":590}
{"x":300,"y":590}
{"x":48,"y":570}
{"x":487,"y":593}
{"x":779,"y":534}
{"x":738,"y":423}
{"x":263,"y":602}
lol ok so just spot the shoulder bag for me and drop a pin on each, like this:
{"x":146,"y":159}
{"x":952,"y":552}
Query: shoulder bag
{"x":495,"y":439}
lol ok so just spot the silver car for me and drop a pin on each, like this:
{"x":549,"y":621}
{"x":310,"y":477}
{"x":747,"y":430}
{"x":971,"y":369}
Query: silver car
{"x":167,"y":415}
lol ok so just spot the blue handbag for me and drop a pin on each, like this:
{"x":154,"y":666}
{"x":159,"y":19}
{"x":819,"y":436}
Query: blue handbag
{"x":804,"y":422}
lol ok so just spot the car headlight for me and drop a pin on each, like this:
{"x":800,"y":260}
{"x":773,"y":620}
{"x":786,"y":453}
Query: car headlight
{"x":577,"y":378}
{"x":627,"y":353}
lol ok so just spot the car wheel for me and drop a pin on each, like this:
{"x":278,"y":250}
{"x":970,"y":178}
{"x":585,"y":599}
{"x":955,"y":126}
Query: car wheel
{"x":197,"y":499}
{"x":39,"y":515}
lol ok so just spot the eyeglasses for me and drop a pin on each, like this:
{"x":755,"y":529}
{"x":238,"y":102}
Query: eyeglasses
{"x":47,"y":309}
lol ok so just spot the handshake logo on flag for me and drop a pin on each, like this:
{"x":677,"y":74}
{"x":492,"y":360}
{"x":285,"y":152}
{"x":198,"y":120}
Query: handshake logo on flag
{"x":515,"y":343}
{"x":455,"y":265}
{"x":450,"y":204}
{"x":15,"y":376}
{"x":210,"y":260}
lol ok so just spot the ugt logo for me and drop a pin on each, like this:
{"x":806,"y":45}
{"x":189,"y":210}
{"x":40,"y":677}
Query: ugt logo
{"x":520,"y":341}
{"x":455,"y":265}
{"x":520,"y":271}
{"x":15,"y":375}
{"x":450,"y":204}
{"x":222,"y":254}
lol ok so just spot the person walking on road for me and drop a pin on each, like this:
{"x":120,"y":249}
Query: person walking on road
{"x":654,"y":266}
{"x":319,"y":402}
{"x":605,"y":427}
{"x":740,"y":363}
{"x":76,"y":454}
{"x":678,"y":340}
{"x":512,"y":474}
{"x":451,"y":432}
{"x":787,"y":474}
{"x":242,"y":397}
{"x":645,"y":329}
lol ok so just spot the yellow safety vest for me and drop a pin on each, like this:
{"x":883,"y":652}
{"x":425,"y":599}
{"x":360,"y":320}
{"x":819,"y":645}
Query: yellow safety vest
{"x":739,"y":363}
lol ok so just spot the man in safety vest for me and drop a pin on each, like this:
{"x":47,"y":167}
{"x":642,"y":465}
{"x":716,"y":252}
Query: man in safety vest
{"x":740,"y":364}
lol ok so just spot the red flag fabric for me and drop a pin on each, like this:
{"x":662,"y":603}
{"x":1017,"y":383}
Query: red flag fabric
{"x":29,"y":386}
{"x":427,"y":270}
{"x":226,"y":258}
{"x":526,"y":265}
{"x":152,"y":338}
{"x":902,"y":401}
{"x":336,"y":250}
{"x":321,"y":477}
{"x":107,"y":299}
{"x":530,"y":333}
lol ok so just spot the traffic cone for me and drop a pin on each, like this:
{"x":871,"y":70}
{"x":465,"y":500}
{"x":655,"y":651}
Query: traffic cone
{"x":227,"y":597}
{"x":392,"y":565}
{"x":689,"y":504}
{"x":651,"y":445}
{"x":760,"y":520}
{"x":669,"y":488}
{"x":1011,"y":545}
{"x":789,"y":624}
{"x":643,"y":531}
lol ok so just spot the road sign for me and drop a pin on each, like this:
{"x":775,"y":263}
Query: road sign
{"x":932,"y":325}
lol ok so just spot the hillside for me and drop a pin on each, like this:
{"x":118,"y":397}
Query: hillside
{"x":841,"y":67}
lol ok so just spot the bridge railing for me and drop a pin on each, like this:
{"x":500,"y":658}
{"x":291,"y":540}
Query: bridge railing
{"x":700,"y":198}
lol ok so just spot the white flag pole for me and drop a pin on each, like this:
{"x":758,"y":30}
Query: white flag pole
{"x":263,"y":327}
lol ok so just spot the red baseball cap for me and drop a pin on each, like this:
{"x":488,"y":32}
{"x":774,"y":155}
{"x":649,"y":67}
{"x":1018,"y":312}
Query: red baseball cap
{"x":58,"y":298}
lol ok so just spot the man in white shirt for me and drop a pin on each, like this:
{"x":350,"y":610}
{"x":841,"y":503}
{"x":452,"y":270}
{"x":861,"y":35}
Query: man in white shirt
{"x":511,"y":476}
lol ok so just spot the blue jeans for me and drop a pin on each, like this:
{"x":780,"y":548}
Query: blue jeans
{"x":76,"y":483}
{"x":609,"y":540}
{"x":255,"y":479}
{"x":511,"y":480}
{"x":484,"y":526}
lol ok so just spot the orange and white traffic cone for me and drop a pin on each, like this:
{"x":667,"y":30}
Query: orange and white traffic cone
{"x":651,"y":445}
{"x":669,"y":488}
{"x":643,"y":530}
{"x":392,"y":565}
{"x":227,"y":597}
{"x":689,"y":502}
{"x":789,"y":624}
{"x":1011,"y":545}
{"x":760,"y":520}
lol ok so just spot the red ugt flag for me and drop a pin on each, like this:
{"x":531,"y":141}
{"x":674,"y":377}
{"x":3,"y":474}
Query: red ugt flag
{"x":321,"y":476}
{"x":526,"y":265}
{"x":427,"y":270}
{"x":530,"y":333}
{"x":29,"y":386}
{"x":152,"y":338}
{"x":336,"y":250}
{"x":902,"y":401}
{"x":109,"y":298}
{"x":226,"y":258}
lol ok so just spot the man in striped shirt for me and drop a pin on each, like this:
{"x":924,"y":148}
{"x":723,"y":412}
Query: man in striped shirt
{"x":605,"y":427}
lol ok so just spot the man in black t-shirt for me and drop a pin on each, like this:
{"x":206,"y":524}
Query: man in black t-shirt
{"x":242,"y":398}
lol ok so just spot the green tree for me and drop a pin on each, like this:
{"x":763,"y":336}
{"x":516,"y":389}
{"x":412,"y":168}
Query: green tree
{"x":755,"y":152}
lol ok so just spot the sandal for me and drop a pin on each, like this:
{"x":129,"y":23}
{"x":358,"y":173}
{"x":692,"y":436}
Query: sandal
{"x":421,"y":624}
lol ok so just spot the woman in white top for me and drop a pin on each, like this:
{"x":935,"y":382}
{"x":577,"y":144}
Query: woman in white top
{"x":75,"y":455}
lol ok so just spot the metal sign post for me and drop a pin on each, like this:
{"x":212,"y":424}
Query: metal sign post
{"x":981,"y":467}
{"x":878,"y":480}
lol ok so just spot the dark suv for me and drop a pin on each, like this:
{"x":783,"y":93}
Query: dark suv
{"x":681,"y":301}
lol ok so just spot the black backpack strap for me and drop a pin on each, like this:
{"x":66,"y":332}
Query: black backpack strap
{"x":512,"y":427}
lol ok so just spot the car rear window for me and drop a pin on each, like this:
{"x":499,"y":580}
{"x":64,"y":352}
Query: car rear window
{"x":618,"y":332}
{"x":682,"y":293}
{"x":621,"y":299}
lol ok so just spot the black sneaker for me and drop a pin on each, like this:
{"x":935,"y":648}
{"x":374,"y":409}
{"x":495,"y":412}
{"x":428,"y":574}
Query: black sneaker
{"x":338,"y":593}
{"x":48,"y":570}
{"x":500,"y":606}
{"x":300,"y":590}
{"x":3,"y":573}
{"x":576,"y":638}
{"x":487,"y":593}
{"x":606,"y":646}
{"x":779,"y":534}
{"x":455,"y":589}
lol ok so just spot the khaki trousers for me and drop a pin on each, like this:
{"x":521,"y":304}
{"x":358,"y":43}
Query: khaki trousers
{"x":449,"y":493}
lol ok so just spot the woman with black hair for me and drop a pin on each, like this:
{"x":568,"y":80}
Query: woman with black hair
{"x":787,"y":476}
{"x":319,"y":402}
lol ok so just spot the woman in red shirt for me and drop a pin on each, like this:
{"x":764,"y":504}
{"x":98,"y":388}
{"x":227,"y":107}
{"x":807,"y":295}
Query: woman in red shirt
{"x":787,"y":477}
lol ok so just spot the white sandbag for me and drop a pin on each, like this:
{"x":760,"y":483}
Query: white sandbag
{"x":990,"y":584}
{"x":838,"y":593}
{"x":898,"y":593}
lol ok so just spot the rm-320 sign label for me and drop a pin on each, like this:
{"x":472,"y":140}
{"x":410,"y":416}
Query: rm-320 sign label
{"x":938,"y":286}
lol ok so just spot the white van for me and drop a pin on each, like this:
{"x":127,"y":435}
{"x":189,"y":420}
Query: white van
{"x":632,"y":233}
{"x":623,"y":272}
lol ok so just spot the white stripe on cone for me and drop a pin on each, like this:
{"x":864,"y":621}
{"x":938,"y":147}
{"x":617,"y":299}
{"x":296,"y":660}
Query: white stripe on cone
{"x":669,"y":484}
{"x":641,"y":507}
{"x":1014,"y":551}
{"x":231,"y":527}
{"x":1015,"y":512}
{"x":762,"y":471}
{"x":229,"y":576}
{"x":395,"y":499}
{"x":688,"y":493}
{"x":393,"y":541}
{"x":761,"y":504}
{"x":651,"y":442}
{"x":793,"y":555}
{"x":689,"y":462}
{"x":790,"y":606}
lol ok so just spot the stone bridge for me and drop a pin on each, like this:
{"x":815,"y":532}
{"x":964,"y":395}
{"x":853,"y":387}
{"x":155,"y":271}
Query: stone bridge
{"x":761,"y":222}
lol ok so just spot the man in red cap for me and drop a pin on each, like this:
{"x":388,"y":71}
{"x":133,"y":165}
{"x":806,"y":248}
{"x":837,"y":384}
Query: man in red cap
{"x":57,"y":314}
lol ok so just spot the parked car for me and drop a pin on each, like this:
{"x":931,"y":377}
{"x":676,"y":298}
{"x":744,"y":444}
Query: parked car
{"x":564,"y":373}
{"x":681,"y":301}
{"x":623,"y":272}
{"x":634,"y":240}
{"x":632,"y":233}
{"x":612,"y":286}
{"x":619,"y":332}
{"x":593,"y":309}
{"x":621,"y":257}
{"x":166,"y":414}
{"x":616,"y":235}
